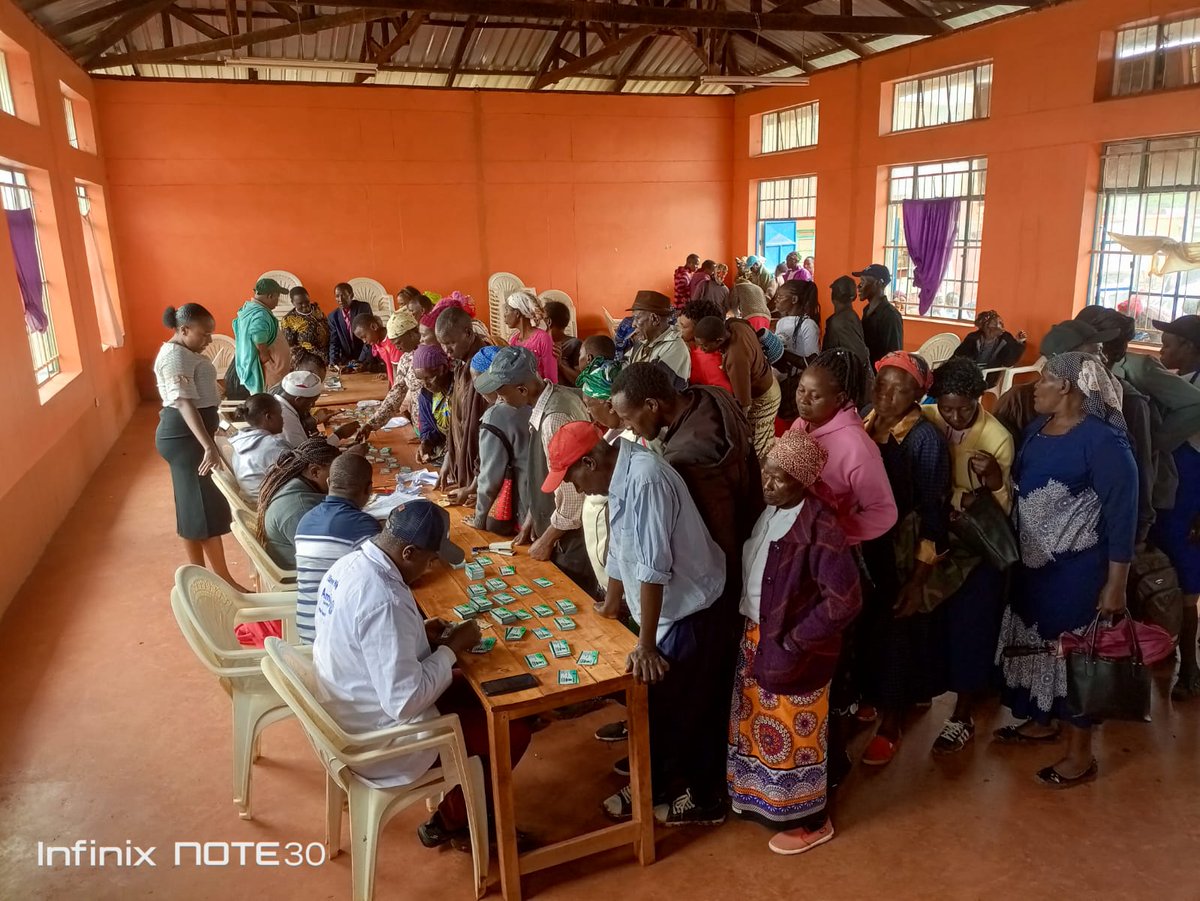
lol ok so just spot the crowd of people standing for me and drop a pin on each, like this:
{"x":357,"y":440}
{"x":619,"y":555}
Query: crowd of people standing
{"x":772,"y":503}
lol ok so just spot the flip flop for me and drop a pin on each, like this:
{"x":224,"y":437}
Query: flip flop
{"x":1049,"y":777}
{"x":1011,"y":735}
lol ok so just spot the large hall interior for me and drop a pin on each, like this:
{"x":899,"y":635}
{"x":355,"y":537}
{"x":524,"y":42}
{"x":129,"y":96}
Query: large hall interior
{"x":820,"y":375}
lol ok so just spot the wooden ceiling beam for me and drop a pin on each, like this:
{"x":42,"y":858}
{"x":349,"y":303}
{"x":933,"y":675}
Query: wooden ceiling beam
{"x":581,"y":65}
{"x":553,"y":50}
{"x":464,"y":42}
{"x":777,"y":50}
{"x":237,"y":41}
{"x":164,"y":24}
{"x":285,"y":10}
{"x":118,"y":30}
{"x":630,"y":64}
{"x":187,"y":18}
{"x":403,"y":36}
{"x":60,"y":30}
{"x":659,"y":16}
{"x":907,"y":9}
{"x":231,"y":16}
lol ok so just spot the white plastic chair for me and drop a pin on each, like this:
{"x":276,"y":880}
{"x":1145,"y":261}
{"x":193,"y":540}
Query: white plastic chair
{"x":1008,"y":375}
{"x":207,"y":611}
{"x":610,"y":322}
{"x":286,"y":280}
{"x":295,"y":679}
{"x":939,"y":348}
{"x":271,"y":577}
{"x":372,"y":292}
{"x":220,"y":352}
{"x":565,"y":299}
{"x":500,"y":285}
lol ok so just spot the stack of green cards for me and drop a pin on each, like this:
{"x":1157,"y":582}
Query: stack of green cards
{"x":503,"y":616}
{"x":536,"y":661}
{"x":496,"y":584}
{"x":503,"y":598}
{"x":485,"y":645}
{"x":482,"y":603}
{"x":476,"y":588}
{"x":522,"y":590}
{"x":565,"y":623}
{"x":465,"y":611}
{"x":522,"y":614}
{"x":568,"y":677}
{"x":474,"y":571}
{"x":507,"y":570}
{"x":560,"y":648}
{"x":542,"y":610}
{"x":588,"y":658}
{"x":542,"y":632}
{"x":542,"y":583}
{"x":514,"y":633}
{"x":483,"y":561}
{"x":566,"y":607}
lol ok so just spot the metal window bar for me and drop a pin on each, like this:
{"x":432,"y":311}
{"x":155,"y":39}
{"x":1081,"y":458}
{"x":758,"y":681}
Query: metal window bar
{"x":6,"y":96}
{"x":784,"y":198}
{"x":69,"y":113}
{"x":1150,"y":188}
{"x":1157,"y":57}
{"x":790,"y":129}
{"x":966,"y":179}
{"x":43,"y":346}
{"x":943,"y":99}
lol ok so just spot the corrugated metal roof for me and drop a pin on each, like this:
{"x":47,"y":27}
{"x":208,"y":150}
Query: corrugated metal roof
{"x":497,"y":56}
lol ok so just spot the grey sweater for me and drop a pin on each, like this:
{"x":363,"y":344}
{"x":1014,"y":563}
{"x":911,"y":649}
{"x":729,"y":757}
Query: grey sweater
{"x":513,"y":423}
{"x":284,"y":512}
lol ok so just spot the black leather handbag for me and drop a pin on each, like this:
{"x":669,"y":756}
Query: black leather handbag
{"x":983,"y":527}
{"x":1106,"y":687}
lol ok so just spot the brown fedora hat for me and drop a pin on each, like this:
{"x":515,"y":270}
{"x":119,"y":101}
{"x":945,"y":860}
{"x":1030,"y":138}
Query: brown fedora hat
{"x":652,"y":302}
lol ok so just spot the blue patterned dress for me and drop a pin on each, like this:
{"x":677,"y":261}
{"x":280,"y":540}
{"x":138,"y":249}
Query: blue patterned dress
{"x":1076,"y":510}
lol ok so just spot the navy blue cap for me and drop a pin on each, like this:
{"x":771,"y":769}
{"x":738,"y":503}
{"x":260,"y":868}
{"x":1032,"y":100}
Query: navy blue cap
{"x":877,"y":271}
{"x":424,"y":524}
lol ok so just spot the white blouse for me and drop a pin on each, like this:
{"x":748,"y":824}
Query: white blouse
{"x":771,"y":526}
{"x":183,"y":374}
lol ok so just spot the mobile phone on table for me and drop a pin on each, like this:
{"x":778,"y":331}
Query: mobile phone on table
{"x":510,"y":684}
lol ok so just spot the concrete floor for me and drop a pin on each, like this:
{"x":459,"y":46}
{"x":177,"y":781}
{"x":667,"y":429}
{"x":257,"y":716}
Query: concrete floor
{"x":112,"y":731}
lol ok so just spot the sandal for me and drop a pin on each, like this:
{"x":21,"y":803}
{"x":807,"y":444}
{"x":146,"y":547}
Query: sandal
{"x":1012,"y":735}
{"x":1049,"y":777}
{"x":880,"y":751}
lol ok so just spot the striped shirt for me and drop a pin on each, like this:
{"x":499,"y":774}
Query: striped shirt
{"x":325,"y":534}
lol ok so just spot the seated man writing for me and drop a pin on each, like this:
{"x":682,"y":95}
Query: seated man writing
{"x":669,"y":571}
{"x":381,"y":664}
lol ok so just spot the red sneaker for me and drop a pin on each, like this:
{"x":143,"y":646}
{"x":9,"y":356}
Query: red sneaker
{"x":880,"y":751}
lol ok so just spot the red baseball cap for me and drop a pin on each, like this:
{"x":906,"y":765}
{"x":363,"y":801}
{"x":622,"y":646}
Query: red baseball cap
{"x":567,"y":448}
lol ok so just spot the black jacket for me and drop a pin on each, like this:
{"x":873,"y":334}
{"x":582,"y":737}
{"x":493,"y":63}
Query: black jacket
{"x":343,"y":346}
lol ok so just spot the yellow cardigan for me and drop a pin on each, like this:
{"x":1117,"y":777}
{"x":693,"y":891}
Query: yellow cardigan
{"x":987,"y":435}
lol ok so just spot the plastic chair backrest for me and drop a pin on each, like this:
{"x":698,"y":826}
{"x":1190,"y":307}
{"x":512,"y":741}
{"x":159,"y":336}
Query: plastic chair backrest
{"x":610,"y":323}
{"x":206,"y":607}
{"x":939,"y":348}
{"x":286,"y":280}
{"x":375,"y":294}
{"x":294,"y":677}
{"x":565,"y":299}
{"x":244,"y":527}
{"x":221,"y":352}
{"x":227,"y":484}
{"x":500,"y":285}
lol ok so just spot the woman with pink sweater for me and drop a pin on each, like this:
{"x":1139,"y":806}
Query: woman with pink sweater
{"x":525,"y":315}
{"x":854,"y":474}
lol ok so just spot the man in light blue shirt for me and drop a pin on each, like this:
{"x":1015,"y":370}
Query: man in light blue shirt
{"x":665,"y":565}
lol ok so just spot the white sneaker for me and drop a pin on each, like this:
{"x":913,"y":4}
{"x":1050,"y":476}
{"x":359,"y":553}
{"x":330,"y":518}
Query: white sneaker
{"x":620,"y":805}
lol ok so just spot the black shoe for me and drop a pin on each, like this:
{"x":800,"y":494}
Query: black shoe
{"x":621,"y":767}
{"x":613,"y":732}
{"x":434,"y":834}
{"x":683,"y":811}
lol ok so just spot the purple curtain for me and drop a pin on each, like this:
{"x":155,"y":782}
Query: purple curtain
{"x":929,"y":230}
{"x":23,"y":234}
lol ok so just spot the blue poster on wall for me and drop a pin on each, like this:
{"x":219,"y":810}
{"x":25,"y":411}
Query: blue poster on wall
{"x":777,"y":240}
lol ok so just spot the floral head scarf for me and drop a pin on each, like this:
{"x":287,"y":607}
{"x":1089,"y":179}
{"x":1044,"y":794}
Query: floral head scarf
{"x":799,"y":456}
{"x":400,"y":323}
{"x":528,"y":305}
{"x":455,"y":299}
{"x":597,"y":378}
{"x":1101,"y":392}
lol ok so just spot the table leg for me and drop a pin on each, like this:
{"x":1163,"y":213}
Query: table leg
{"x":636,"y":713}
{"x":502,"y":801}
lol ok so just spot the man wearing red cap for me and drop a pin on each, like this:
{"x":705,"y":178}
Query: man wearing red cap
{"x":664,"y":564}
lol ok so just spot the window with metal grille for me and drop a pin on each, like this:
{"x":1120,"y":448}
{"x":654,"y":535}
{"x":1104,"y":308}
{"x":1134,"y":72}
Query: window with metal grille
{"x":966,"y":180}
{"x":1157,"y":57}
{"x":6,"y":96}
{"x":786,"y":218}
{"x":16,"y":195}
{"x":69,"y":112}
{"x":1148,"y":188}
{"x":944,"y":98}
{"x":789,"y":129}
{"x":104,"y":288}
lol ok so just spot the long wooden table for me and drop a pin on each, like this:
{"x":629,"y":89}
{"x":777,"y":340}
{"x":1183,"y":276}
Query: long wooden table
{"x":443,"y":588}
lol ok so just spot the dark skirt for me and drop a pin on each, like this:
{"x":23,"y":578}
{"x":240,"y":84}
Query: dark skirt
{"x":201,"y":511}
{"x":973,"y":615}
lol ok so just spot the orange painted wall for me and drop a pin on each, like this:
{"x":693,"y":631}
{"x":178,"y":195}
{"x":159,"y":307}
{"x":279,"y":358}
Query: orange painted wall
{"x":54,"y":438}
{"x":597,"y":196}
{"x":1042,"y":141}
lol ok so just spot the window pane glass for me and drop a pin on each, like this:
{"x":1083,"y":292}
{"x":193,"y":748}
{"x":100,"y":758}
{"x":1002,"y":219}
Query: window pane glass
{"x":948,"y":97}
{"x":790,"y":129}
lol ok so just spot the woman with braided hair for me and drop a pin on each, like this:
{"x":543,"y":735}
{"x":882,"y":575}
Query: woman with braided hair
{"x":297,"y":482}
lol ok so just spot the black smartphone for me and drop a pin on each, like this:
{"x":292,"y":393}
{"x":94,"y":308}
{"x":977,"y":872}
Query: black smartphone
{"x":509,"y":684}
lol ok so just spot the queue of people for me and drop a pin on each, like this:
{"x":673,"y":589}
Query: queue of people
{"x":790,"y":578}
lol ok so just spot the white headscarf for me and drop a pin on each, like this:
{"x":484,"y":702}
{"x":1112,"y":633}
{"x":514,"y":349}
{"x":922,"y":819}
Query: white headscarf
{"x":527,"y":304}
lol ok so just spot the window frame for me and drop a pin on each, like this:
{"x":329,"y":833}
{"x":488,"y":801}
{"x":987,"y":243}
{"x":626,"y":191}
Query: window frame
{"x":1165,"y":297}
{"x":773,"y":121}
{"x":926,"y":84}
{"x":1155,"y":57}
{"x":965,"y":278}
{"x":46,"y":358}
{"x":8,"y":103}
{"x":801,"y":206}
{"x":69,"y":115}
